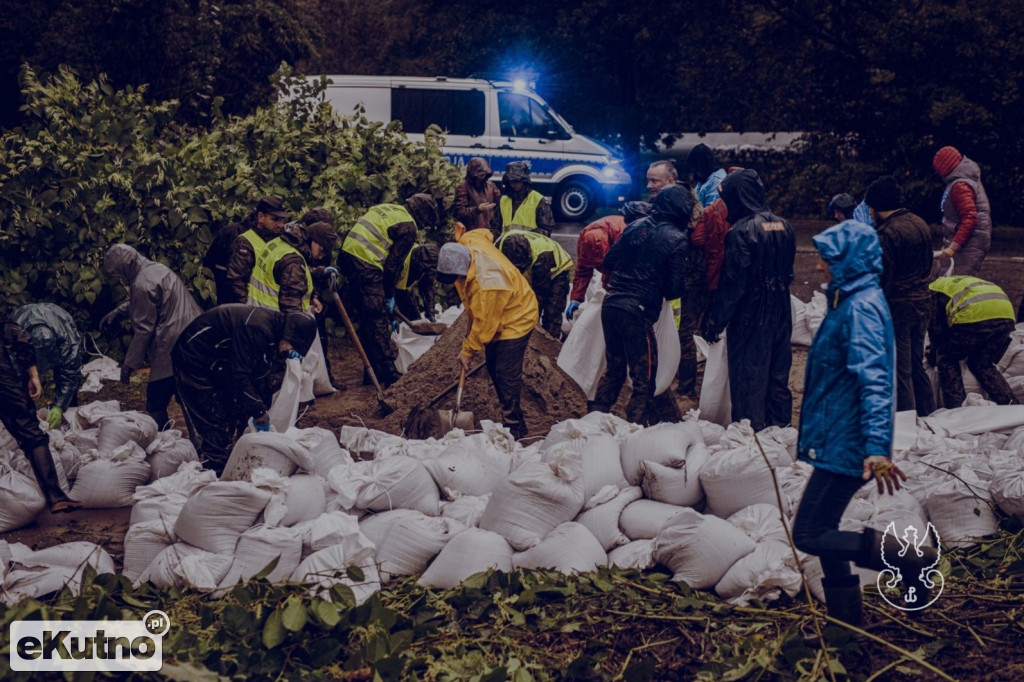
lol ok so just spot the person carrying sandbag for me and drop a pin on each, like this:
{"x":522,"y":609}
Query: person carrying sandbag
{"x":19,"y":387}
{"x":222,"y":364}
{"x":159,"y":306}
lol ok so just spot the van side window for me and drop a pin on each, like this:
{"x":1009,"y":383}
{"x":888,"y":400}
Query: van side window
{"x":523,"y":116}
{"x":460,"y":112}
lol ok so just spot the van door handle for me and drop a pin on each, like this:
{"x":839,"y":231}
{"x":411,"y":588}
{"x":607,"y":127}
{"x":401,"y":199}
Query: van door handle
{"x":476,"y":146}
{"x":542,"y":141}
{"x":505,"y":146}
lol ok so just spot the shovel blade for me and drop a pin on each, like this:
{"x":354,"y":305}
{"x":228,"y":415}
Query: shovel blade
{"x":450,"y":419}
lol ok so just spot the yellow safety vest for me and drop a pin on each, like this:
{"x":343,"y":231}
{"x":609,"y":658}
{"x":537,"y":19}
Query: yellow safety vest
{"x":368,"y":239}
{"x":540,"y":244}
{"x":526,"y":215}
{"x":677,"y":310}
{"x":403,"y":283}
{"x":973,"y":300}
{"x":255,"y":240}
{"x":263,"y":288}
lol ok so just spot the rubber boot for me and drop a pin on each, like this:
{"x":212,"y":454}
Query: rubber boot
{"x":46,"y":476}
{"x":161,"y":418}
{"x":842,"y":602}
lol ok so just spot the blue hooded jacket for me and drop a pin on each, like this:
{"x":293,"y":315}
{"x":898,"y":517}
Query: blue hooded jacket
{"x":847,"y":412}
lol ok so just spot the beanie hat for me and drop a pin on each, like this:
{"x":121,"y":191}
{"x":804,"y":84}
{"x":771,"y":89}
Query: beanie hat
{"x":945,"y":160}
{"x":884,"y":194}
{"x":453,"y":259}
{"x":323,"y":234}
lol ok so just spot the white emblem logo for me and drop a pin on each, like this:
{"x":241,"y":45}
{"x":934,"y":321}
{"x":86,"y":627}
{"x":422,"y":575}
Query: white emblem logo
{"x":923,"y":583}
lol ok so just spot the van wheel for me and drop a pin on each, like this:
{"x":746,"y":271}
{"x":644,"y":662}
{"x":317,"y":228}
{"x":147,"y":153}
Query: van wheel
{"x":575,"y":200}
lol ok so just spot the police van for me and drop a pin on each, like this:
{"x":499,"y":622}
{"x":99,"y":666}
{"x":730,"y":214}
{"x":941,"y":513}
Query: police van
{"x":499,"y":121}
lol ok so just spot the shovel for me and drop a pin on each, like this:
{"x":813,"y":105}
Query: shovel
{"x":384,"y":407}
{"x":456,"y":419}
{"x":421,"y":328}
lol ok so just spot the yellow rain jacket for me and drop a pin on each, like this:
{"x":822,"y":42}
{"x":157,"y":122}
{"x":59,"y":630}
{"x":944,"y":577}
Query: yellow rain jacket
{"x":499,"y":300}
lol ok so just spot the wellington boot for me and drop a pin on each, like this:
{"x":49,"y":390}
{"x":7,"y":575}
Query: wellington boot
{"x":46,"y":475}
{"x":842,"y":602}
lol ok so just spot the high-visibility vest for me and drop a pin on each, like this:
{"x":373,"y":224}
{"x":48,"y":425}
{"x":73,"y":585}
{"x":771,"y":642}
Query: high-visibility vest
{"x":973,"y":300}
{"x":263,"y":288}
{"x":254,"y":239}
{"x":541,"y":244}
{"x":368,"y":239}
{"x":525,"y":217}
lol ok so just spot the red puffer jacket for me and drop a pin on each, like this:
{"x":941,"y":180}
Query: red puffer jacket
{"x":594,"y":242}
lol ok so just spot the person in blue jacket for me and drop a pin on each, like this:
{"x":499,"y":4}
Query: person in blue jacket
{"x":846,"y":420}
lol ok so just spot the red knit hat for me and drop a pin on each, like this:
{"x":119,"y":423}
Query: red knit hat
{"x":945,"y":160}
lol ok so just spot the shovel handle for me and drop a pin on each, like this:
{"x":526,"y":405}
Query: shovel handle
{"x":458,"y":394}
{"x":359,"y":347}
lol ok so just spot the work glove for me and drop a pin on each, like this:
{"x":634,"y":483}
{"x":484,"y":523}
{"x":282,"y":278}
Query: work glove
{"x":429,"y":314}
{"x":109,"y":320}
{"x":126,"y":375}
{"x":54,"y":417}
{"x":292,"y":355}
{"x":332,"y":274}
{"x":570,"y":311}
{"x":711,"y":336}
{"x":389,"y":305}
{"x":262,"y":422}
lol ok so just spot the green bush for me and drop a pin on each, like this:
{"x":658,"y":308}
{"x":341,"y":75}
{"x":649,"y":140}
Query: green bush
{"x":94,"y":166}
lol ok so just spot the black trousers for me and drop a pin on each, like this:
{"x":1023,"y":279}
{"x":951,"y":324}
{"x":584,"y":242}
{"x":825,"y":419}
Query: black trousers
{"x":760,"y":357}
{"x":981,"y":345}
{"x":913,"y":388}
{"x":816,"y":526}
{"x":213,"y":422}
{"x":18,"y":412}
{"x":551,"y":302}
{"x":630,"y":347}
{"x":504,"y":360}
{"x":366,"y":305}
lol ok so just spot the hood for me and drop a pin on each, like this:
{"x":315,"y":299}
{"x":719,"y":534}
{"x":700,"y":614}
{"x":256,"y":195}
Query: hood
{"x":124,"y":262}
{"x":702,"y":161}
{"x":634,"y":210}
{"x":853,"y":254}
{"x":673,"y":203}
{"x":516,"y":248}
{"x":423,"y":210}
{"x":743,"y":194}
{"x":478,"y":171}
{"x":967,"y":169}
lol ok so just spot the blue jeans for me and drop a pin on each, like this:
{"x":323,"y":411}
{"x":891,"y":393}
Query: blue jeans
{"x":816,"y":527}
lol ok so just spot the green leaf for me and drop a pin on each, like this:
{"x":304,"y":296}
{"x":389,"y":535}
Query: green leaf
{"x":327,"y":613}
{"x":355,"y":574}
{"x":273,"y":630}
{"x":294,"y":614}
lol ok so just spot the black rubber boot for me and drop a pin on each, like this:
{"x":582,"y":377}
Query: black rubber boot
{"x":46,"y":476}
{"x":843,"y":601}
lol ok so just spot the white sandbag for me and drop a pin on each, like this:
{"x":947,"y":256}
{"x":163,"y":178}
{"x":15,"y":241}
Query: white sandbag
{"x":84,"y":440}
{"x":603,"y":520}
{"x":570,"y":430}
{"x":330,"y":529}
{"x":107,"y":483}
{"x":284,"y":407}
{"x":168,"y":451}
{"x":164,"y":497}
{"x":700,"y":549}
{"x":399,"y":483}
{"x":182,"y":565}
{"x":535,"y":499}
{"x":633,"y":555}
{"x":761,"y":523}
{"x":466,"y":509}
{"x":815,"y":311}
{"x":328,"y":567}
{"x":407,"y":540}
{"x":20,"y":497}
{"x":570,"y":548}
{"x":802,"y":335}
{"x":715,"y":401}
{"x":469,"y":466}
{"x":89,"y":415}
{"x":712,"y":432}
{"x":976,"y":420}
{"x":259,"y":546}
{"x":34,"y":574}
{"x":664,"y":443}
{"x":601,"y":460}
{"x":265,"y":450}
{"x":304,"y":499}
{"x":360,"y":440}
{"x":315,"y":368}
{"x":96,"y":371}
{"x":642,"y":519}
{"x":142,"y":543}
{"x":67,"y":457}
{"x":738,"y":477}
{"x":666,"y":335}
{"x":411,"y":346}
{"x":677,"y":484}
{"x":764,"y":574}
{"x":617,"y":427}
{"x":472,"y":551}
{"x":582,"y":354}
{"x":1007,"y":487}
{"x":216,"y":515}
{"x":961,"y":510}
{"x":325,"y":452}
{"x":117,"y":429}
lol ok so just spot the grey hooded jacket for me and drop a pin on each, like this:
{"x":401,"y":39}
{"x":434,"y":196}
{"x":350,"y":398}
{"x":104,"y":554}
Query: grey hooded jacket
{"x":159,"y":305}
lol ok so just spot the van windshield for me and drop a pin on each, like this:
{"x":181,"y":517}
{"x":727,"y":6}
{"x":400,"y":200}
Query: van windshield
{"x":523,"y":116}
